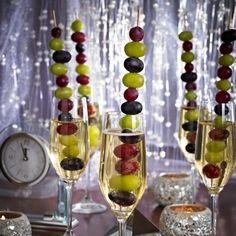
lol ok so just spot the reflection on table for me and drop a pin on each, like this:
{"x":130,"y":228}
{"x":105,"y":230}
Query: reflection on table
{"x":148,"y":213}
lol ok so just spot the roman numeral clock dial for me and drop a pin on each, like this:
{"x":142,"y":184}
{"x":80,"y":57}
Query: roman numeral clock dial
{"x":23,"y":159}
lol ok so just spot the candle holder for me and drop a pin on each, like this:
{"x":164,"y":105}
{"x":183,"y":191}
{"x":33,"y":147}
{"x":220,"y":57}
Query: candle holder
{"x":173,"y":187}
{"x":14,"y":223}
{"x":185,"y":219}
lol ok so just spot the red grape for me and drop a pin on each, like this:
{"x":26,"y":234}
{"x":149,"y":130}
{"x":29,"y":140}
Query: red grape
{"x":136,"y":33}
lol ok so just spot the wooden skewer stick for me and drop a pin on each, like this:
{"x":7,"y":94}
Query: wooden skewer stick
{"x":138,"y":15}
{"x":231,"y":19}
{"x":54,"y":18}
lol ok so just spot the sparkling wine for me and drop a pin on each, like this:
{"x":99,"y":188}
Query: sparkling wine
{"x":122,"y":174}
{"x":215,"y":159}
{"x":187,"y":131}
{"x":69,"y":149}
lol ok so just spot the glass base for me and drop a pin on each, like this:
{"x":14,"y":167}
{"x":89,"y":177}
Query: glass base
{"x":88,"y":206}
{"x":114,"y":232}
{"x":69,"y":233}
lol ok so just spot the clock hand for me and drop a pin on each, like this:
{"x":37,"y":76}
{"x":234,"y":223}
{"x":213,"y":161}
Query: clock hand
{"x":24,"y":150}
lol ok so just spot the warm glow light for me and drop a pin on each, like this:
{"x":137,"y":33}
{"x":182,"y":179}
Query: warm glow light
{"x":3,"y":217}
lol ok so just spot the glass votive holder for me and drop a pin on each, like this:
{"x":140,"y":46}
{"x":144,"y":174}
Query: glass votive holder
{"x":185,"y":219}
{"x":173,"y":187}
{"x":14,"y":223}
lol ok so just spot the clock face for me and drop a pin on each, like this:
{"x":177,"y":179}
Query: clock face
{"x":24,"y":159}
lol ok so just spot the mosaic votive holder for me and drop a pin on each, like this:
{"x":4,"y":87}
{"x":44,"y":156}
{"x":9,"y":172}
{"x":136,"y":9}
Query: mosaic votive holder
{"x":171,"y":187}
{"x":185,"y":220}
{"x":14,"y":223}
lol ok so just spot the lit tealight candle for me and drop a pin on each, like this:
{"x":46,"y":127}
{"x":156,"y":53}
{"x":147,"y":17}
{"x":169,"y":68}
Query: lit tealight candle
{"x":185,"y":219}
{"x":14,"y":223}
{"x":173,"y":187}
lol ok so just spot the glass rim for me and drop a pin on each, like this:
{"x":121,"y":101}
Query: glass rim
{"x":74,"y":120}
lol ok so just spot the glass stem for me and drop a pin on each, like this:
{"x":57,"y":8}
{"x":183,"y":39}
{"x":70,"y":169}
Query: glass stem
{"x":69,"y":191}
{"x":87,"y":181}
{"x":214,"y":201}
{"x":61,"y":215}
{"x":122,"y":227}
{"x":194,"y":182}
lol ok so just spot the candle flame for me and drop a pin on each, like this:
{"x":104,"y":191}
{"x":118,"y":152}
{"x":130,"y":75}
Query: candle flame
{"x":3,"y":217}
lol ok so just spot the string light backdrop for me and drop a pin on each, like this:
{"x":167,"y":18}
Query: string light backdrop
{"x":27,"y":86}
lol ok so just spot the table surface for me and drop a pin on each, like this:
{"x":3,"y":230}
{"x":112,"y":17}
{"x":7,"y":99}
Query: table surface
{"x":101,"y":224}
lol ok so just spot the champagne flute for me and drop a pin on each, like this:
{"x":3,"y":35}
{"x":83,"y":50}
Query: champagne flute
{"x":69,"y":148}
{"x":215,"y":156}
{"x":186,"y":138}
{"x":87,"y":205}
{"x":122,"y":173}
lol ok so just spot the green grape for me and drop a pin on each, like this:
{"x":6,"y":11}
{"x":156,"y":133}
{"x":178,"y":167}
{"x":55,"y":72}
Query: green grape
{"x":220,"y":122}
{"x":133,"y":80}
{"x":185,"y":36}
{"x":190,"y":96}
{"x":77,"y":25}
{"x":226,"y":60}
{"x":129,"y":122}
{"x":187,"y":57}
{"x":58,"y":69}
{"x":214,"y":157}
{"x":191,"y":115}
{"x":82,"y":69}
{"x":135,"y":49}
{"x":124,"y":182}
{"x":84,"y":90}
{"x":68,"y":140}
{"x":215,"y":146}
{"x":56,"y":44}
{"x":94,"y":134}
{"x":63,"y":93}
{"x":71,"y":151}
{"x":223,"y":85}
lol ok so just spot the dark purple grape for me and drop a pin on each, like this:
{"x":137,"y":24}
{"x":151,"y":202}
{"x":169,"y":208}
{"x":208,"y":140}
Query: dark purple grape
{"x":130,"y":139}
{"x":190,"y":147}
{"x":56,"y":32}
{"x":228,"y":36}
{"x":221,"y":109}
{"x":190,"y":126}
{"x":61,"y":56}
{"x":131,"y":108}
{"x":65,"y":116}
{"x":80,"y":47}
{"x":122,"y":198}
{"x":189,"y":77}
{"x":71,"y":164}
{"x":133,"y":64}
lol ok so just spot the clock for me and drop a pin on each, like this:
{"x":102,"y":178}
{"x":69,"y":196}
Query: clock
{"x":24,"y":159}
